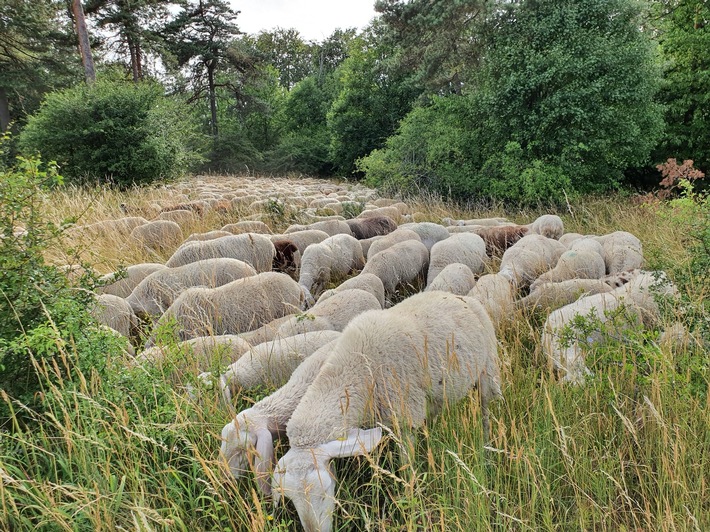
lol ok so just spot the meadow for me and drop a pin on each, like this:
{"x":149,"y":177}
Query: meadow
{"x":117,"y":447}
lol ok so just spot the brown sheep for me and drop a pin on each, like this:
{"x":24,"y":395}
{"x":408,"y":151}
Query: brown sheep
{"x":287,"y":256}
{"x":499,"y":238}
{"x":363,"y":228}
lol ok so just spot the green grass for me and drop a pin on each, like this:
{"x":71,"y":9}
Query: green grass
{"x":128,"y":450}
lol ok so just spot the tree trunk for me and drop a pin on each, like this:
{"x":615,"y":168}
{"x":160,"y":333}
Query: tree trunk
{"x":4,"y":111}
{"x":135,"y":68}
{"x":213,"y":97}
{"x":84,"y":48}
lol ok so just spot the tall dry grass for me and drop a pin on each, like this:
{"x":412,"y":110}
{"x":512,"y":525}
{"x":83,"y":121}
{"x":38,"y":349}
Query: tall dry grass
{"x":129,"y":450}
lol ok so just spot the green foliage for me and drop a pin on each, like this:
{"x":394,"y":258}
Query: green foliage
{"x":123,"y":133}
{"x":684,"y":36}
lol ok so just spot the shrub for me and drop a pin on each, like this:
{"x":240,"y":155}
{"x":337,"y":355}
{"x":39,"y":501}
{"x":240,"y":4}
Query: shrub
{"x":123,"y":133}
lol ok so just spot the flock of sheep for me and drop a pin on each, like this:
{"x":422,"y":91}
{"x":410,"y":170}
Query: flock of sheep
{"x":359,"y":323}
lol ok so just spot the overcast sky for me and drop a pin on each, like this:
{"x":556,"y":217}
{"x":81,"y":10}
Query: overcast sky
{"x":314,"y":19}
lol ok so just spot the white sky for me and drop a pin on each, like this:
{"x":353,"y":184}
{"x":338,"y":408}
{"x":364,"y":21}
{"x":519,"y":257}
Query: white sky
{"x":314,"y":19}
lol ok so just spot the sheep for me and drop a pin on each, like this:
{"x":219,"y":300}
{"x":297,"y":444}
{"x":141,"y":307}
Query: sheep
{"x":488,"y":222}
{"x":201,"y":351}
{"x":180,"y":216}
{"x":199,"y":207}
{"x":551,"y":296}
{"x":495,"y":292}
{"x":333,"y":313}
{"x":621,"y":251}
{"x":372,"y":226}
{"x":429,"y":233}
{"x":637,"y":297}
{"x":465,"y":248}
{"x":302,"y":239}
{"x":498,"y":238}
{"x":254,"y":429}
{"x":254,"y":249}
{"x":400,"y":365}
{"x":114,"y":312}
{"x":154,"y":294}
{"x":235,"y":307}
{"x":122,"y":227}
{"x":574,"y":264}
{"x":287,"y":258}
{"x":365,"y":281}
{"x":248,"y":226}
{"x":266,"y":332}
{"x":455,"y":278}
{"x":332,"y":227}
{"x":391,"y":212}
{"x":396,"y":236}
{"x":403,"y":263}
{"x":530,"y":257}
{"x":548,"y":225}
{"x":568,"y":238}
{"x":158,"y":235}
{"x":119,"y":285}
{"x":271,"y":363}
{"x":210,"y":235}
{"x":335,"y":257}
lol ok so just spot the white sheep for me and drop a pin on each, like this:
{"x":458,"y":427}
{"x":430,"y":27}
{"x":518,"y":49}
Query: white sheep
{"x":464,"y":248}
{"x":333,"y":313}
{"x":638,"y":299}
{"x":114,"y":312}
{"x":429,"y":233}
{"x":402,"y":263}
{"x":332,"y":227}
{"x":248,"y":226}
{"x":235,"y":307}
{"x":201,"y":352}
{"x":302,"y":239}
{"x":455,"y":278}
{"x":574,"y":264}
{"x":487,"y":222}
{"x":365,"y":281}
{"x":266,"y":332}
{"x":156,"y":293}
{"x":396,"y":366}
{"x":395,"y":237}
{"x":334,"y":258}
{"x":551,"y":296}
{"x":548,"y":225}
{"x":209,"y":235}
{"x":254,"y":429}
{"x":121,"y":285}
{"x":158,"y":236}
{"x":254,"y":249}
{"x":495,"y":292}
{"x":621,"y":251}
{"x":271,"y":363}
{"x":530,"y":257}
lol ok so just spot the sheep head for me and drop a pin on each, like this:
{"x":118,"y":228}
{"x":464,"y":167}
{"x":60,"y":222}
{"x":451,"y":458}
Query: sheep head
{"x":244,"y":435}
{"x":303,"y":475}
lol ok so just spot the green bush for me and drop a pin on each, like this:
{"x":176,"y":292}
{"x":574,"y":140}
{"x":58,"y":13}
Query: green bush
{"x":115,"y":131}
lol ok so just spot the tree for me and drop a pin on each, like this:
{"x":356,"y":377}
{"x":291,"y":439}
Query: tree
{"x":200,"y":38}
{"x":684,"y":36}
{"x":287,"y":52}
{"x":82,"y":33}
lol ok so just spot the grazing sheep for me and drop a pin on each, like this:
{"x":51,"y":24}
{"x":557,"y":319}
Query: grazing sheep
{"x":114,"y":312}
{"x":199,"y":207}
{"x":530,"y":257}
{"x":396,"y":366}
{"x":266,"y":332}
{"x":332,"y":314}
{"x":248,"y":226}
{"x":395,"y":237}
{"x":499,"y":238}
{"x":201,"y":351}
{"x":271,"y":363}
{"x":367,"y":242}
{"x":334,"y":258}
{"x":548,"y":225}
{"x":495,"y":292}
{"x":429,"y":233}
{"x":465,"y":248}
{"x":254,"y":429}
{"x":403,"y":263}
{"x":487,"y":222}
{"x":551,"y":296}
{"x":391,"y":212}
{"x":302,"y":239}
{"x":638,"y":300}
{"x":122,"y":227}
{"x":254,"y":249}
{"x":210,"y":235}
{"x":574,"y":264}
{"x":158,"y":235}
{"x":122,"y":286}
{"x":332,"y":227}
{"x":180,"y":216}
{"x":455,"y":278}
{"x":156,"y":293}
{"x":621,"y":251}
{"x":372,"y":226}
{"x":365,"y":281}
{"x":569,"y":238}
{"x":235,"y":307}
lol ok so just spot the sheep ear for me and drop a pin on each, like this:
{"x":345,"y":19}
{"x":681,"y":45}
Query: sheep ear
{"x":265,"y":460}
{"x":357,"y":442}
